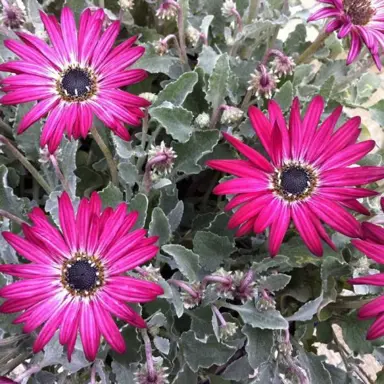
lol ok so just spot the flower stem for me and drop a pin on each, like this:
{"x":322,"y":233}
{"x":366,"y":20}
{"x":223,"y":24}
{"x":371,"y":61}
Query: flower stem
{"x":7,"y":130}
{"x":93,"y":374}
{"x":148,"y":354}
{"x":29,"y":372}
{"x":59,"y":174}
{"x":185,"y":287}
{"x":252,"y":10}
{"x":246,"y":100}
{"x":238,"y":20}
{"x":247,"y":279}
{"x":12,"y":217}
{"x":177,"y":45}
{"x":26,"y":163}
{"x":313,"y":48}
{"x":107,"y":154}
{"x":181,"y":28}
{"x":218,"y":314}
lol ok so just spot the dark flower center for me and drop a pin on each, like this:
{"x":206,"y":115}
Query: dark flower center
{"x":294,"y":180}
{"x":81,"y":276}
{"x":76,"y":84}
{"x":359,"y":11}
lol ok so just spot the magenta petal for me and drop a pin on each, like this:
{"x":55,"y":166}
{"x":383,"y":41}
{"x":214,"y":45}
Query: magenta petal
{"x":262,"y":127}
{"x":67,"y":221}
{"x":302,"y":218}
{"x":377,"y":328}
{"x":324,"y":13}
{"x":278,"y":230}
{"x":372,"y":250}
{"x":89,"y":331}
{"x":355,"y":47}
{"x":108,"y":328}
{"x":373,"y":233}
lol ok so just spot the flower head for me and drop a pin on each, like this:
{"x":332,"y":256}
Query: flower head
{"x":262,"y":82}
{"x":192,"y":35}
{"x":202,"y":120}
{"x":75,"y":78}
{"x":142,"y":376}
{"x":361,"y":20}
{"x":168,"y":10}
{"x":308,"y":178}
{"x":227,"y":330}
{"x":228,"y":8}
{"x":372,"y":244}
{"x":126,"y":5}
{"x":282,"y":65}
{"x":161,"y":159}
{"x":161,"y":47}
{"x":75,"y":279}
{"x":14,"y":15}
{"x":231,"y":115}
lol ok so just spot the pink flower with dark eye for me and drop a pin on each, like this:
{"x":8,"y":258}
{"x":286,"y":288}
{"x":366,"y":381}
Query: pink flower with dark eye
{"x":362,"y":20}
{"x":373,"y":246}
{"x":308,"y":178}
{"x":76,"y":278}
{"x":76,"y":77}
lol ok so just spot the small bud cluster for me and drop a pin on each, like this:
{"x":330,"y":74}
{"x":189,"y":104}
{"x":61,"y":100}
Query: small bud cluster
{"x":231,"y":115}
{"x":202,"y":120}
{"x":233,"y":285}
{"x":283,"y":65}
{"x":192,"y":35}
{"x":14,"y":15}
{"x":192,"y":301}
{"x":142,"y":376}
{"x":150,"y":273}
{"x":227,"y":330}
{"x":263,"y":82}
{"x":168,"y":10}
{"x":161,"y":47}
{"x":161,"y":159}
{"x":126,"y":5}
{"x":228,"y":8}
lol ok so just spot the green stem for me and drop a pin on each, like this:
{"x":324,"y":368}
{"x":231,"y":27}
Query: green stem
{"x":107,"y":154}
{"x":59,"y":174}
{"x":26,"y":163}
{"x":252,"y":10}
{"x":313,"y":48}
{"x":246,"y":100}
{"x":7,"y":130}
{"x":12,"y":217}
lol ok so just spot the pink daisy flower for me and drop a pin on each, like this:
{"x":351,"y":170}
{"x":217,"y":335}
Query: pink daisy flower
{"x":373,"y":246}
{"x":77,"y":77}
{"x":308,"y":178}
{"x":76,"y":280}
{"x":362,"y":20}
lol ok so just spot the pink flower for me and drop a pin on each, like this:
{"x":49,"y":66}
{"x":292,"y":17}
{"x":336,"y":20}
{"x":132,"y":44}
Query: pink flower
{"x":373,"y":246}
{"x":362,"y":20}
{"x":75,"y":78}
{"x":76,"y":279}
{"x":308,"y":179}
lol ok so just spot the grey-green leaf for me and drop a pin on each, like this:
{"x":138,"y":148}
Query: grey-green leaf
{"x":271,"y":319}
{"x":177,"y":91}
{"x":159,"y":226}
{"x":218,"y":82}
{"x":212,"y":249}
{"x":186,"y":260}
{"x":176,"y":120}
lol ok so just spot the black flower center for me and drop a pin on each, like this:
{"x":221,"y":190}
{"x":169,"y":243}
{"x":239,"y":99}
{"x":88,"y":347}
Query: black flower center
{"x":82,"y":275}
{"x":76,"y":82}
{"x":359,"y":11}
{"x":294,"y":180}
